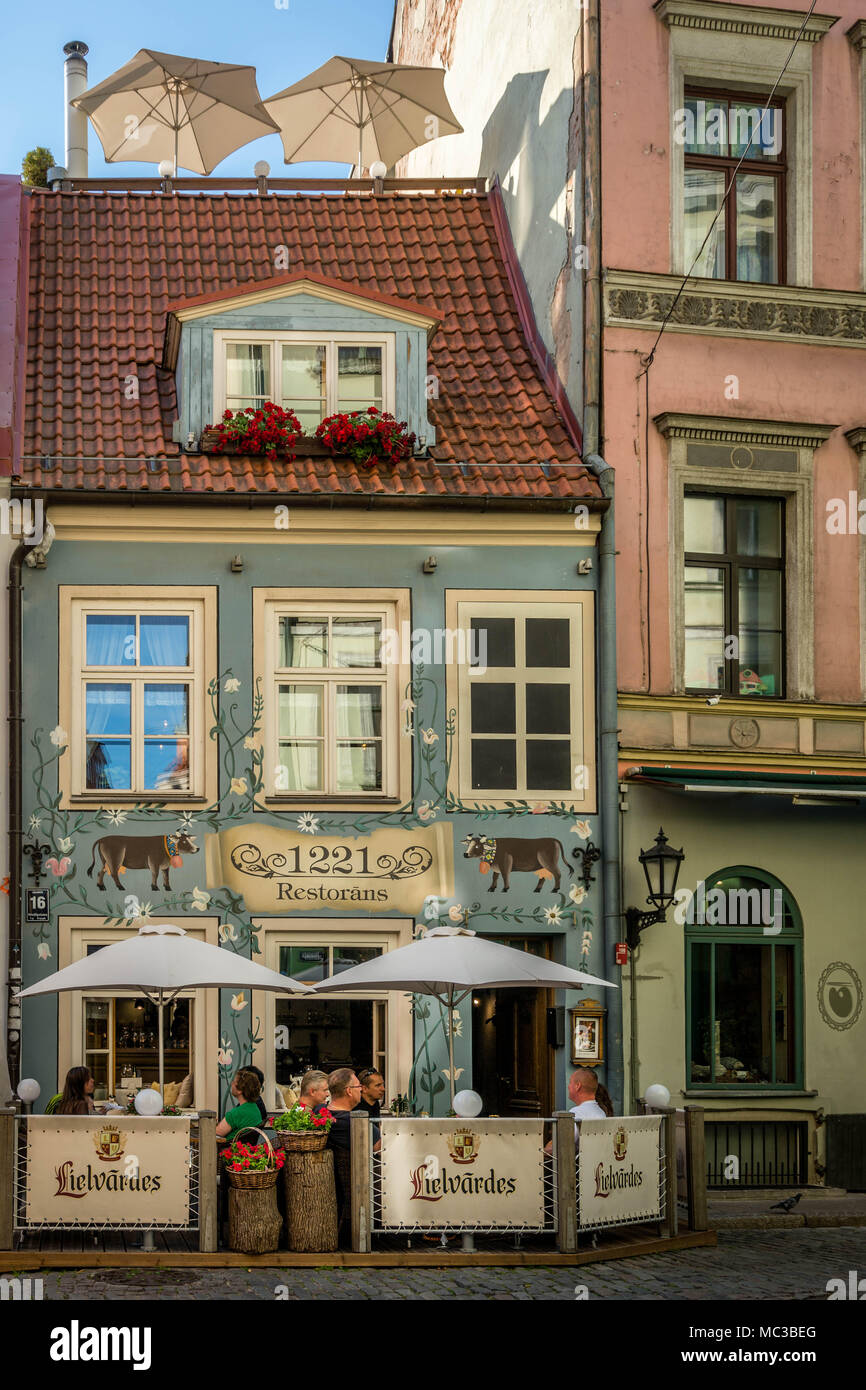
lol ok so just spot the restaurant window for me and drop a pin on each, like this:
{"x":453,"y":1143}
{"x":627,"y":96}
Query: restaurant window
{"x":525,"y":698}
{"x":331,"y":708}
{"x":121,"y":1041}
{"x":734,"y":603}
{"x":747,"y":241}
{"x":136,"y":701}
{"x":327,"y":1032}
{"x":743,"y":974}
{"x":312,"y":375}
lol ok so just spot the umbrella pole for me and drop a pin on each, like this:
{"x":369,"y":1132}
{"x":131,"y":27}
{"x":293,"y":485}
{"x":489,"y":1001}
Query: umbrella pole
{"x":451,"y":1044}
{"x":161,"y":1007}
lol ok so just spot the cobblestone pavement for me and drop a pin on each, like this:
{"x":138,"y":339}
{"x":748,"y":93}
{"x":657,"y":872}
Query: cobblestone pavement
{"x":747,"y":1265}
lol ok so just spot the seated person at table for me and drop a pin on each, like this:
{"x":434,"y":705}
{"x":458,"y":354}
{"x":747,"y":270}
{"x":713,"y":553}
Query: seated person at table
{"x":372,"y":1091}
{"x":263,"y":1109}
{"x":77,"y":1098}
{"x":314,"y":1090}
{"x":245,"y":1089}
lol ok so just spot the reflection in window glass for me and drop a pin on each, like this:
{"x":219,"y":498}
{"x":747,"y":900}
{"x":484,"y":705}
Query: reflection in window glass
{"x":303,"y":642}
{"x":704,"y":193}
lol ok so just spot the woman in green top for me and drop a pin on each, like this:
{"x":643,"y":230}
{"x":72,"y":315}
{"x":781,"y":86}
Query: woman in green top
{"x":245,"y":1088}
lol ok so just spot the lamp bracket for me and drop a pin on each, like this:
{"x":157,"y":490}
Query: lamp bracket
{"x":588,"y":854}
{"x":637,"y":921}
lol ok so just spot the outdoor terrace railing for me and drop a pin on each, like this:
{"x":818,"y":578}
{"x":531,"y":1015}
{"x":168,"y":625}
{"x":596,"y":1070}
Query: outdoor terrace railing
{"x":265,"y":185}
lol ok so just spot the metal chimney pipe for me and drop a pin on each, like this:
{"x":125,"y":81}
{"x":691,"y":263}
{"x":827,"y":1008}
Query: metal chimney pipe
{"x":75,"y":82}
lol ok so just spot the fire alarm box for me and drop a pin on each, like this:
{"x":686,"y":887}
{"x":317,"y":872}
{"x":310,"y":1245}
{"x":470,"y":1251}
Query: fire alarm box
{"x":621,"y":953}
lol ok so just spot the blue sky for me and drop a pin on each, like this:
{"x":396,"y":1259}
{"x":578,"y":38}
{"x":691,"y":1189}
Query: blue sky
{"x":283,"y":45}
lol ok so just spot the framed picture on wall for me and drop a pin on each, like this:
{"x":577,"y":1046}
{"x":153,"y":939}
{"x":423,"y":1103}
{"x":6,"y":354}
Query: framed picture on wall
{"x":587,"y":1033}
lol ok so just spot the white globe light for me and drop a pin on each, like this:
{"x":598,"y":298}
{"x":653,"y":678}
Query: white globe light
{"x":148,"y":1102}
{"x":261,"y":169}
{"x":166,"y":168}
{"x":657,"y":1096}
{"x":378,"y":170}
{"x":29,"y":1090}
{"x":467,"y":1104}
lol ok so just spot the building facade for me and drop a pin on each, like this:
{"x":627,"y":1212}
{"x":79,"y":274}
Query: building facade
{"x":302,"y":708}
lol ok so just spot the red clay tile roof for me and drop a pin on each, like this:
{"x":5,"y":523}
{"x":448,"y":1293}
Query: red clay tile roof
{"x":105,"y":267}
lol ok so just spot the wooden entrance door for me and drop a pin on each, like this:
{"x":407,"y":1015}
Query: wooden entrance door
{"x":511,"y":1059}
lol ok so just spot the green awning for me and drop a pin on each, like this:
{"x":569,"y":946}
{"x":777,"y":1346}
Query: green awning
{"x":801,"y":787}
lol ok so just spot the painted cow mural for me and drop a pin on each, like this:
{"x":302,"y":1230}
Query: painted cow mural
{"x":155,"y":852}
{"x":507,"y":856}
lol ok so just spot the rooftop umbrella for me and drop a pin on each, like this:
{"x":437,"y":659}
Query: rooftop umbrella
{"x":159,"y":962}
{"x":162,"y":106}
{"x":448,"y":963}
{"x":358,"y":108}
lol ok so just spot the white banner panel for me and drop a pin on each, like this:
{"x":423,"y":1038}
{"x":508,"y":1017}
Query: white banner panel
{"x":472,"y":1174}
{"x":618,"y":1171}
{"x":126,"y":1171}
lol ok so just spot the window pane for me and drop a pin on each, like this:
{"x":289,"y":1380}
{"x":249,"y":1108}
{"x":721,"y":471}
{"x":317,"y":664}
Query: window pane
{"x":307,"y":963}
{"x":744,"y":1013}
{"x":359,"y":767}
{"x":760,"y":632}
{"x":303,"y":642}
{"x":323,"y":1034}
{"x":493,"y":708}
{"x":300,"y":711}
{"x":757,"y":232}
{"x":783,"y":1004}
{"x":548,"y":709}
{"x":700,"y":1049}
{"x":705,"y":126}
{"x":359,"y":711}
{"x":166,"y":764}
{"x":759,"y":527}
{"x":359,"y":377}
{"x":164,"y":639}
{"x":96,"y":1023}
{"x":547,"y":642}
{"x":704,"y":521}
{"x":548,"y":765}
{"x":494,"y":763}
{"x":347,"y":956}
{"x":356,"y":642}
{"x":108,"y":710}
{"x":299,"y":768}
{"x":704,"y":628}
{"x":248,"y":374}
{"x":760,"y":599}
{"x":304,"y":382}
{"x":704,"y":191}
{"x":762,"y":128}
{"x":109,"y":765}
{"x":110,"y":639}
{"x":166,"y":710}
{"x":498,"y":633}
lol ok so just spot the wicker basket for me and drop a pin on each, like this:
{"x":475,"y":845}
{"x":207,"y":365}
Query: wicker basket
{"x":301,"y":1141}
{"x":259,"y":1178}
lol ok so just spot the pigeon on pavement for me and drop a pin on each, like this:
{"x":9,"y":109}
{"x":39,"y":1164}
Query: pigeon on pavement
{"x":787,"y":1204}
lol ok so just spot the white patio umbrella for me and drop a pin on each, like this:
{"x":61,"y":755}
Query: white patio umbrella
{"x":359,"y":108}
{"x":449,"y":963}
{"x":164,"y":106}
{"x":158,"y":962}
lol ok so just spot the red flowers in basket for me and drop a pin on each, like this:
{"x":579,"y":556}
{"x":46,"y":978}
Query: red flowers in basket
{"x":252,"y":1158}
{"x":268,"y":430}
{"x":367,"y":436}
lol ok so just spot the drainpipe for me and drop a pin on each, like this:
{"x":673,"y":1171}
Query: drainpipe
{"x":16,"y":837}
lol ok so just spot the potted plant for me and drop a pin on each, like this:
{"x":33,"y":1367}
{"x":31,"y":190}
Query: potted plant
{"x":253,"y":1165}
{"x":303,"y":1131}
{"x":367,"y":436}
{"x":267,"y":430}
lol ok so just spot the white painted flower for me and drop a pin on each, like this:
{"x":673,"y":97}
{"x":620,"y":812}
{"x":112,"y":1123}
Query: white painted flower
{"x":250,"y":742}
{"x":238,"y":1002}
{"x":308,"y":823}
{"x":427,"y":811}
{"x":456,"y":1023}
{"x":43,"y":951}
{"x":188,"y":819}
{"x":239,"y":785}
{"x":138,"y":912}
{"x":581,"y":828}
{"x":457,"y":912}
{"x":553,"y":916}
{"x":65,"y":845}
{"x":232,"y":684}
{"x":35,"y":822}
{"x":458,"y":1072}
{"x":225,"y":1055}
{"x":227,"y":932}
{"x":429,"y":736}
{"x":116,"y":817}
{"x":407,"y":704}
{"x":59,"y":736}
{"x":577,"y":893}
{"x":200,"y":898}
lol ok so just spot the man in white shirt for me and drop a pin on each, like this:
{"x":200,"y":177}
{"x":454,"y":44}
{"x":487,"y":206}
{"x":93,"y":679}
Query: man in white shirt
{"x":581,"y":1089}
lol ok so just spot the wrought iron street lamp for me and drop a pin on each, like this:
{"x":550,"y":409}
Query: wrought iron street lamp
{"x":661,"y":866}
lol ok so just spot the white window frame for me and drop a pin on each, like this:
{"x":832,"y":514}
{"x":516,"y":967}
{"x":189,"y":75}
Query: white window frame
{"x":330,"y":341}
{"x":392,"y":606}
{"x":579,"y":608}
{"x":76,"y":604}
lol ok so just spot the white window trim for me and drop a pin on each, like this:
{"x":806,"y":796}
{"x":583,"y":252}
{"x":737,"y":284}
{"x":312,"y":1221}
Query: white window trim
{"x":393,"y":607}
{"x":389,"y":933}
{"x":331,"y":341}
{"x":75,"y":603}
{"x":461,"y":607}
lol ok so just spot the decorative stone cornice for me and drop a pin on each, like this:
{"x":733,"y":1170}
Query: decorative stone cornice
{"x":781,"y":313}
{"x":724,"y":18}
{"x":721,"y":429}
{"x":857,"y":439}
{"x":857,"y":34}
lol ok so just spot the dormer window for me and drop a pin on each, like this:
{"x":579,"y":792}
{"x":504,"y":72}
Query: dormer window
{"x":312,"y":375}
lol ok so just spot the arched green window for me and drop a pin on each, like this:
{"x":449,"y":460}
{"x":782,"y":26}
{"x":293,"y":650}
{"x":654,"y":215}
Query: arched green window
{"x":744,"y":995}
